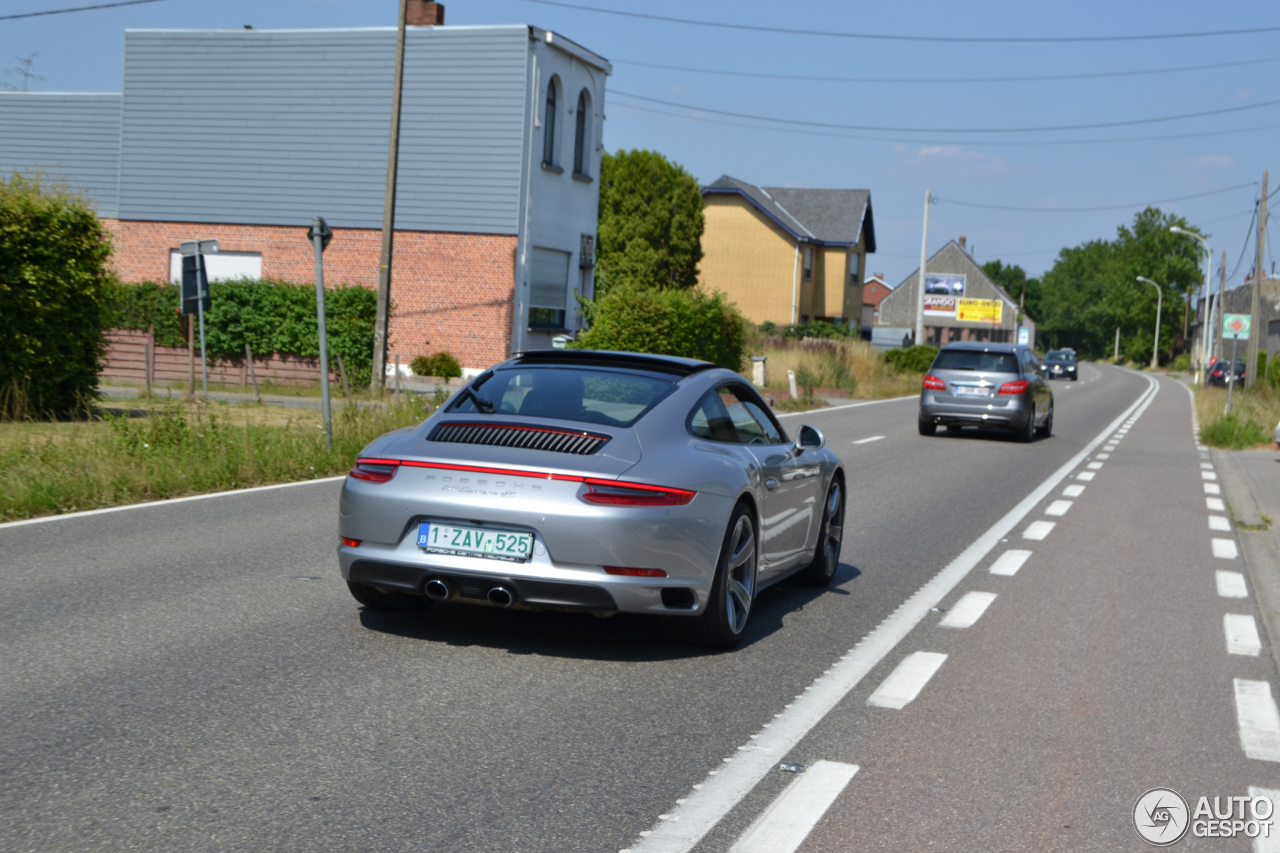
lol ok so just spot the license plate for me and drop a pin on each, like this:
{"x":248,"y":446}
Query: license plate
{"x":971,"y":391}
{"x":474,"y":541}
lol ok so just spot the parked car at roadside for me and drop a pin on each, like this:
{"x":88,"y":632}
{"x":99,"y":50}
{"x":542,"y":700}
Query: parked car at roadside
{"x":1061,"y":364}
{"x":601,"y":482}
{"x":1218,"y":374}
{"x":999,"y":386}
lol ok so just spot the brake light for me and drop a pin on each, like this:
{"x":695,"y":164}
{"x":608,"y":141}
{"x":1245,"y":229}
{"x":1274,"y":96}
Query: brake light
{"x":374,"y":470}
{"x":1018,"y":387}
{"x":933,"y":383}
{"x":635,"y":573}
{"x":349,"y":542}
{"x":634,"y":494}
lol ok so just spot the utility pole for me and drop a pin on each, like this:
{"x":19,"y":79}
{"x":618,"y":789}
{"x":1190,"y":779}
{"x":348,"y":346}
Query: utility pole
{"x":389,"y":216}
{"x":1116,"y":355}
{"x":1222,"y":287}
{"x":924,"y":248}
{"x":1251,"y":359}
{"x":320,"y":235}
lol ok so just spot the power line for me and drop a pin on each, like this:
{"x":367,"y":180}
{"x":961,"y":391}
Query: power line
{"x":899,"y":38}
{"x":1045,"y":129}
{"x":76,"y":9}
{"x":1023,"y":79}
{"x":1248,"y":234}
{"x":984,"y":142}
{"x":1095,"y":209}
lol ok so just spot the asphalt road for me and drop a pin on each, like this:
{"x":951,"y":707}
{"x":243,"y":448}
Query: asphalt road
{"x":196,"y":676}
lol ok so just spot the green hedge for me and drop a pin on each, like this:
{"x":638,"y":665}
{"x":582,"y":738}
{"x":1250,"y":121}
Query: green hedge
{"x":911,"y":359}
{"x":53,"y":255}
{"x":689,"y":323}
{"x":268,"y":315}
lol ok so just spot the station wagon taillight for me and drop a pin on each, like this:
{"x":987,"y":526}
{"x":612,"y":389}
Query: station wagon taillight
{"x":1017,"y":387}
{"x":374,"y":470}
{"x":933,"y":383}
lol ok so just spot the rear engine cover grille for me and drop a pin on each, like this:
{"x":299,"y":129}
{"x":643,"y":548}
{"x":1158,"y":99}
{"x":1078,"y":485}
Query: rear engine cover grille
{"x":525,"y":437}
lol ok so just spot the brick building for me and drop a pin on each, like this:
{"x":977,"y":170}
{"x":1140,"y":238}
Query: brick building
{"x":246,"y":135}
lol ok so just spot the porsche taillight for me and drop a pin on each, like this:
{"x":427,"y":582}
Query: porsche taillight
{"x":634,"y":494}
{"x":374,"y":470}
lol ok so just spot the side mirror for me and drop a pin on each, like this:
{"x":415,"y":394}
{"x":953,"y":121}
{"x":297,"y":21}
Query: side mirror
{"x":810,"y":438}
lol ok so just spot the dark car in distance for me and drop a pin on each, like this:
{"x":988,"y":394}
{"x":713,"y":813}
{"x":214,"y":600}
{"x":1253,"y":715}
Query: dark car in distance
{"x":1218,"y":374}
{"x":1061,"y":364}
{"x":997,"y":386}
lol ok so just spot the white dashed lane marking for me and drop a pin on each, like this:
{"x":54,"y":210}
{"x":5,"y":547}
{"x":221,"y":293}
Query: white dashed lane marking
{"x":1094,"y":466}
{"x":1009,"y":562}
{"x":1225,"y":549}
{"x":1258,"y":719}
{"x":968,"y":610}
{"x":1231,"y":584}
{"x":789,"y":819}
{"x":1206,"y":466}
{"x":1073,"y":491}
{"x":1102,"y":456}
{"x":905,"y":683}
{"x":1038,"y":530}
{"x":1058,"y":508}
{"x":1212,"y":489}
{"x":1208,"y":475}
{"x":1215,"y":504}
{"x":1086,"y":476}
{"x":1219,"y":522}
{"x":1242,"y":635}
{"x":869,"y":440}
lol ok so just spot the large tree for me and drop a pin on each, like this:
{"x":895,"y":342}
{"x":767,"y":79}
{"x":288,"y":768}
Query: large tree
{"x":650,"y":229}
{"x":1014,"y":279}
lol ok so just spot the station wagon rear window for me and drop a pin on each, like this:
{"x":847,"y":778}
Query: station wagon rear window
{"x":590,"y":395}
{"x":986,"y":362}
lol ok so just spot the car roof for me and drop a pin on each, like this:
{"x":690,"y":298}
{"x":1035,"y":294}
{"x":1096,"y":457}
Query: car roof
{"x":608,"y":358}
{"x":979,"y":346}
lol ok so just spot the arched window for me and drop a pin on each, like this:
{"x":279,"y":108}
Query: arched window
{"x":580,"y":136}
{"x":549,"y":126}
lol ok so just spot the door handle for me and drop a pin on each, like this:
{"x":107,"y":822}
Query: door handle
{"x":771,"y":483}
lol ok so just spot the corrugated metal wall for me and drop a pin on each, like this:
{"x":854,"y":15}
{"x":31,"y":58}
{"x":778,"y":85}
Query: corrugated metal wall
{"x":275,"y":127}
{"x":71,"y":137}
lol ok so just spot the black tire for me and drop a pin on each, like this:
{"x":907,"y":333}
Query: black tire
{"x":723,"y":620}
{"x":1046,"y":430}
{"x":1075,"y":378}
{"x":826,"y":555}
{"x":1028,"y":432}
{"x":375,"y":599}
{"x":927,"y":428}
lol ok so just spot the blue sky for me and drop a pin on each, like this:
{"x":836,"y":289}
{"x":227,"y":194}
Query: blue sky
{"x":84,"y":52}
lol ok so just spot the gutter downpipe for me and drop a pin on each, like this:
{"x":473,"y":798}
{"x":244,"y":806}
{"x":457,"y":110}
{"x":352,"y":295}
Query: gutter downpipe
{"x":795,"y":272}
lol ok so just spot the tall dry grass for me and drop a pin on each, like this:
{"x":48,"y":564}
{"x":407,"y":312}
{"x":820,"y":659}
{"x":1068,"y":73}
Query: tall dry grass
{"x":850,"y":366}
{"x":1254,"y":415}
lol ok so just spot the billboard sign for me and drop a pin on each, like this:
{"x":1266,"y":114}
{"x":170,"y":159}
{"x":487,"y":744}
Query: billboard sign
{"x":943,"y":284}
{"x":979,"y":310}
{"x":940,"y":306}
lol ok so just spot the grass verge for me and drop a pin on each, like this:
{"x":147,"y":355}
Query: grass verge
{"x":53,"y":468}
{"x":1252,"y":421}
{"x":852,"y":366}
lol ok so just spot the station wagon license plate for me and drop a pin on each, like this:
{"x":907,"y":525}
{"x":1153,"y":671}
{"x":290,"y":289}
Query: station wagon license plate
{"x":971,"y":391}
{"x":467,"y":541}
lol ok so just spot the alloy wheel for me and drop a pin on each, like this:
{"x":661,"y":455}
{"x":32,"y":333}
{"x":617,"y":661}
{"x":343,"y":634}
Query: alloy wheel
{"x":740,"y":586}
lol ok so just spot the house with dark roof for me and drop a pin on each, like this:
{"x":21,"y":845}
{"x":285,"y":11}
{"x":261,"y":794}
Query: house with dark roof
{"x":874,"y":290}
{"x":787,"y":255}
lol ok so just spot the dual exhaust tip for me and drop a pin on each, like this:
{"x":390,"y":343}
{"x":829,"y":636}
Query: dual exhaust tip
{"x":438,"y":589}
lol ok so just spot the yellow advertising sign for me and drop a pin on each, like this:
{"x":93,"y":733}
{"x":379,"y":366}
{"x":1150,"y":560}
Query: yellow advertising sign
{"x":979,"y":310}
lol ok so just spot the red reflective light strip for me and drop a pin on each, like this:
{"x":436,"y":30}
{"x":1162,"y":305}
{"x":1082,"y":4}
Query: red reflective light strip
{"x":933,"y":383}
{"x":1019,"y":387}
{"x":683,"y":495}
{"x":635,"y":573}
{"x":350,"y":543}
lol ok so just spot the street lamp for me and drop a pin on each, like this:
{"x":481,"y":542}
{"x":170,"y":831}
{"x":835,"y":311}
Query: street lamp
{"x":1155,"y":349}
{"x":1207,"y":334}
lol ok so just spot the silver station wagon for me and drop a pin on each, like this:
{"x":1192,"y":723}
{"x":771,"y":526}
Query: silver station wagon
{"x":998,"y":386}
{"x":595,"y":481}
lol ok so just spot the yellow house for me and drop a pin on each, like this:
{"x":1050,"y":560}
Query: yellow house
{"x":785,"y":255}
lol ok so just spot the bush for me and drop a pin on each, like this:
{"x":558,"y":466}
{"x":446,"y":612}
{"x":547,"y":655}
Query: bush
{"x":814,"y":329}
{"x":911,"y":359}
{"x":268,"y":315}
{"x":53,"y":255}
{"x":1182,"y":362}
{"x":689,"y":323}
{"x":441,"y":364}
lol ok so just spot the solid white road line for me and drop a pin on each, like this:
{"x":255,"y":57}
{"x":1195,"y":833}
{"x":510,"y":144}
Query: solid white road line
{"x":1231,"y":584}
{"x":1073,"y":491}
{"x":907,"y":680}
{"x":70,"y":515}
{"x":1086,"y":476}
{"x":1094,"y":466}
{"x":1057,"y":508}
{"x":1219,"y":522}
{"x":1037,"y":530}
{"x":968,"y":610}
{"x":869,"y":440}
{"x":1268,"y":842}
{"x":848,"y":406}
{"x":1225,"y":549}
{"x":1009,"y":562}
{"x":1258,"y":719}
{"x":1208,"y":475}
{"x":789,"y":819}
{"x":1212,"y":489}
{"x":730,"y":782}
{"x":1215,"y":504}
{"x":1242,"y":635}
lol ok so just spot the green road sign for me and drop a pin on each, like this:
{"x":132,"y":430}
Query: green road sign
{"x":1236,"y":325}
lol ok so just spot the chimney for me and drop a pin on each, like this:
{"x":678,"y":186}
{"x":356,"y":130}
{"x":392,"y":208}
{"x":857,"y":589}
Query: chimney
{"x":878,"y":275}
{"x":423,"y":13}
{"x":962,"y":239}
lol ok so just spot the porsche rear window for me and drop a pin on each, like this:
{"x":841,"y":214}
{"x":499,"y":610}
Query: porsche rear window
{"x":988,"y":362}
{"x":590,"y":395}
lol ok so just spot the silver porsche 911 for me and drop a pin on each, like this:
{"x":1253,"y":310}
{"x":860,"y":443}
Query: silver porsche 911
{"x":595,"y":481}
